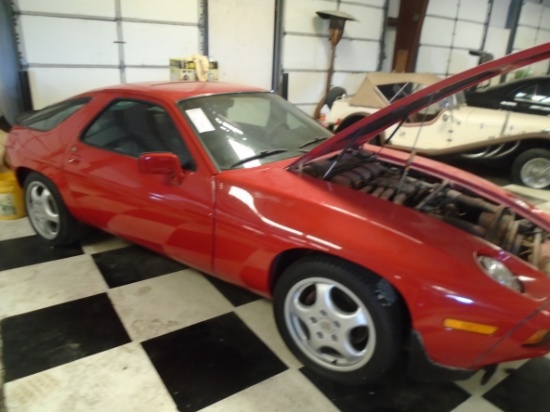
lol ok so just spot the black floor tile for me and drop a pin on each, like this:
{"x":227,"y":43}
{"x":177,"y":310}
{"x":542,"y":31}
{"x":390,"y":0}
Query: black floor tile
{"x":526,"y":389}
{"x":42,"y":339}
{"x":234,"y":294}
{"x":29,"y":250}
{"x":395,"y":392}
{"x":132,"y":264}
{"x":210,"y":361}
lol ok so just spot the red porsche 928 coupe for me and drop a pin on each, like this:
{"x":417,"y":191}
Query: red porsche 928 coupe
{"x":364,"y":250}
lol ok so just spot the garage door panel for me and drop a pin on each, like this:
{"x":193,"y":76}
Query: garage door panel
{"x":50,"y":40}
{"x":540,"y":68}
{"x":99,"y":8}
{"x":50,"y":85}
{"x":545,"y":20}
{"x":543,"y":36}
{"x":357,"y":55}
{"x":138,"y":74}
{"x":304,"y":52}
{"x":349,"y":81}
{"x":497,"y":41}
{"x":436,"y":31}
{"x":525,"y":37}
{"x":300,"y":16}
{"x":165,"y":10}
{"x":161,"y":41}
{"x":369,"y":24}
{"x":461,"y":60}
{"x":470,"y":35}
{"x":432,"y":59}
{"x":530,"y":13}
{"x":444,"y":8}
{"x":475,"y":10}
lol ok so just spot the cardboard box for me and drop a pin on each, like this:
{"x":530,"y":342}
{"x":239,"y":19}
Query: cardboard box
{"x":185,"y":69}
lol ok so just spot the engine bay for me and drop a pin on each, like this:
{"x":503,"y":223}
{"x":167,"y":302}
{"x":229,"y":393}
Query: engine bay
{"x":440,"y":199}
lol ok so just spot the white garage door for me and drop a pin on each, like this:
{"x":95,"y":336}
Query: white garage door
{"x":533,"y":29}
{"x":69,"y":46}
{"x":452,"y":28}
{"x":306,"y":47}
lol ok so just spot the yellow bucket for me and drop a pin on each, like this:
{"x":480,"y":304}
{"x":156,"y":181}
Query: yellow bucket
{"x":12,"y":205}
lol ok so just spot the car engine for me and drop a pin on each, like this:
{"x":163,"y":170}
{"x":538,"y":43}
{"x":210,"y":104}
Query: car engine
{"x":454,"y":205}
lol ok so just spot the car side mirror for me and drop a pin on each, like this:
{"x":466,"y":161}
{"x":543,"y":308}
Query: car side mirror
{"x":162,"y":163}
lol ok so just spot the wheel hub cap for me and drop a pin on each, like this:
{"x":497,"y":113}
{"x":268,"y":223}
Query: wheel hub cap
{"x":536,"y":173}
{"x":330,"y":324}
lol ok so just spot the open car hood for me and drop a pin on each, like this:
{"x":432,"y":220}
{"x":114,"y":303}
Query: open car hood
{"x":366,"y":129}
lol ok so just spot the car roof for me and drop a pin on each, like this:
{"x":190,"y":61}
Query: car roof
{"x":177,"y":90}
{"x":514,"y":83}
{"x":368,"y":96}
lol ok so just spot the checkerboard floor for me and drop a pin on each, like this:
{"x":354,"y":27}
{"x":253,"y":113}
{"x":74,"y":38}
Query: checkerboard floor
{"x":107,"y":326}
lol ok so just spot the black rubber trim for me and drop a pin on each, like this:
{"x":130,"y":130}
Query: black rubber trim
{"x":422,"y":368}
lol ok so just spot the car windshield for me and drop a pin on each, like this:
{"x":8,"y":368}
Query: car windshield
{"x":262,"y":127}
{"x":395,"y":91}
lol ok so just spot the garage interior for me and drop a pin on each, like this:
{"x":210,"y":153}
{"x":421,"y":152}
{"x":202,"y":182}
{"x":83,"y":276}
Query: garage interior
{"x":106,"y":325}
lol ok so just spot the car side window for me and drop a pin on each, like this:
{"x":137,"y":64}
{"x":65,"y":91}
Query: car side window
{"x":51,"y":116}
{"x":535,"y":94}
{"x":134,"y":127}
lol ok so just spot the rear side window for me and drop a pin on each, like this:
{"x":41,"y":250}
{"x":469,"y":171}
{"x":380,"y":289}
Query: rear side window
{"x":51,"y":116}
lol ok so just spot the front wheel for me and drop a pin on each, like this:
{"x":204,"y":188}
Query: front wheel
{"x":339,"y":320}
{"x":532,"y":169}
{"x":47,"y":213}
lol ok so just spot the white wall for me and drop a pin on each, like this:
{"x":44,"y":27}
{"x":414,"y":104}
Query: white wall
{"x":240,"y":37}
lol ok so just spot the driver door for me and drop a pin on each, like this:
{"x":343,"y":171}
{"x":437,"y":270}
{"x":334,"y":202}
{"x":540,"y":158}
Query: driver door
{"x":110,"y":192}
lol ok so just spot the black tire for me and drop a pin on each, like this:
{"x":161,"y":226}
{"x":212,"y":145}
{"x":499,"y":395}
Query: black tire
{"x":532,"y":168}
{"x":348,"y":121}
{"x":353,"y":340}
{"x":334,"y":94}
{"x":48,"y":215}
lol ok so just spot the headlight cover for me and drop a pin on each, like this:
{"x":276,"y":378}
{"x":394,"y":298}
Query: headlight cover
{"x":498,"y":271}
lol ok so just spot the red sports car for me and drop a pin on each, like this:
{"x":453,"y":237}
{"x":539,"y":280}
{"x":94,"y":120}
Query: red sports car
{"x":364,"y":250}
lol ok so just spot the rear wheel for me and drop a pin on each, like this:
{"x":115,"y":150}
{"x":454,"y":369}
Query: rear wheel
{"x":47,"y":213}
{"x":341,"y":321}
{"x":532,"y":169}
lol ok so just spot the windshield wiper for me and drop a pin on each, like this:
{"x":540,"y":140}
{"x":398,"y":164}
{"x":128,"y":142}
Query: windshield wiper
{"x":317,"y":139}
{"x":261,"y":155}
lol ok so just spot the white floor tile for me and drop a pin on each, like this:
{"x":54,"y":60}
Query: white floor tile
{"x":11,"y":229}
{"x":166,"y":303}
{"x":46,"y":284}
{"x":476,"y":404}
{"x":120,"y":379}
{"x":90,"y":247}
{"x":474,"y":386}
{"x":288,"y":391}
{"x":258,"y":316}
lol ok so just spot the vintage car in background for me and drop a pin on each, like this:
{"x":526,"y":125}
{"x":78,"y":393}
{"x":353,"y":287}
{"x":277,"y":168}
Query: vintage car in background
{"x":364,"y":250}
{"x":452,"y":129}
{"x":526,"y":95}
